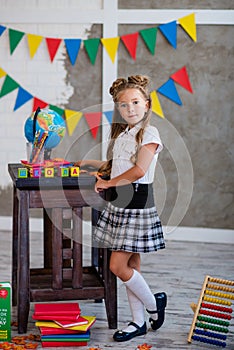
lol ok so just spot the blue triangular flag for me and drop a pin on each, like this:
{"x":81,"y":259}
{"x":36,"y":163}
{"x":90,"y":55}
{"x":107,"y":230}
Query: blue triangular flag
{"x":169,"y":30}
{"x":168,"y":89}
{"x":109,"y":116}
{"x":73,"y":47}
{"x":2,"y":28}
{"x":22,"y":97}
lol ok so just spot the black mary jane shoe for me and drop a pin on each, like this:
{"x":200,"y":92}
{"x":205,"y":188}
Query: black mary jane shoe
{"x":161,"y":302}
{"x":124,"y":336}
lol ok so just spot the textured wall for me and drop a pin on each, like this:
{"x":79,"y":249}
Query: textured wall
{"x":200,"y":130}
{"x":204,"y":123}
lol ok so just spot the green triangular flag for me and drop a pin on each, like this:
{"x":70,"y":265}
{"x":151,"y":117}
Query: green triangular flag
{"x":91,"y":46}
{"x":8,"y":86}
{"x":57,"y":109}
{"x":149,"y":36}
{"x":14,"y":37}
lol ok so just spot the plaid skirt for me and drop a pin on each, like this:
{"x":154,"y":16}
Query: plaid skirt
{"x":132,"y":230}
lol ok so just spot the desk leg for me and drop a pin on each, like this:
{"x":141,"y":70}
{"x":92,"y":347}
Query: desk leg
{"x":110,"y":284}
{"x":23,"y":263}
{"x":14,"y":247}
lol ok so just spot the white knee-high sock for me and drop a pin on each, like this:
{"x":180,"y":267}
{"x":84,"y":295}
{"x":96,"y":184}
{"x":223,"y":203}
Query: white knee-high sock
{"x":140,"y":288}
{"x":137,"y":310}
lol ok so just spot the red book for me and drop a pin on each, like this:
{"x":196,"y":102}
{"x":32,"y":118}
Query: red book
{"x":54,"y":331}
{"x":65,"y":324}
{"x":55,"y":309}
{"x":71,"y":318}
{"x":48,"y":344}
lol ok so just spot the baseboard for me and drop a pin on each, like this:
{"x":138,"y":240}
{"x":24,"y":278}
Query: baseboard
{"x":180,"y":233}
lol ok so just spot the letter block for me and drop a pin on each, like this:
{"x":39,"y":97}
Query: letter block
{"x":35,"y":172}
{"x":49,"y":172}
{"x":63,"y":172}
{"x":22,"y":172}
{"x":74,"y":171}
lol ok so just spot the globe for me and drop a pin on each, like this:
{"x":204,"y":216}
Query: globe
{"x":46,"y":120}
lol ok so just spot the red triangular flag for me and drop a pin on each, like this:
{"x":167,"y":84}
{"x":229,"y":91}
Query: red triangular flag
{"x":93,"y":120}
{"x":181,"y":77}
{"x":38,"y":103}
{"x":53,"y":45}
{"x":130,"y":41}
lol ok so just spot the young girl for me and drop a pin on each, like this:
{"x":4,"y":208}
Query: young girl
{"x":129,"y":225}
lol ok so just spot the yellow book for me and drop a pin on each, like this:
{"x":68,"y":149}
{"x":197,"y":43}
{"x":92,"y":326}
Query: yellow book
{"x":81,"y":328}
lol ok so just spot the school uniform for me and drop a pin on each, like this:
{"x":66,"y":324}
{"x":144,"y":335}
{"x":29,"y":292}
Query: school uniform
{"x":130,"y":220}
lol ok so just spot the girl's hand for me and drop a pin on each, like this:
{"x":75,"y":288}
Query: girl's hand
{"x":101,"y":184}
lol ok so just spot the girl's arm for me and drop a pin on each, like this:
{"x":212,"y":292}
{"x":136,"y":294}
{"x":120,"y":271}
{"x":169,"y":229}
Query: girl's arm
{"x":90,"y":162}
{"x":145,"y":157}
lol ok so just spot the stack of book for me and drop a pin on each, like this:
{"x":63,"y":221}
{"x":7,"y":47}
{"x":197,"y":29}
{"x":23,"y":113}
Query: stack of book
{"x":61,"y":324}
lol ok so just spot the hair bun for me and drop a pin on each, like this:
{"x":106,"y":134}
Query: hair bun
{"x":117,"y":84}
{"x":140,"y":80}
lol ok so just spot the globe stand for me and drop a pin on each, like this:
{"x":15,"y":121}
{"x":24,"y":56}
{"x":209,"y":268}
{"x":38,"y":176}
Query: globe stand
{"x":47,"y":154}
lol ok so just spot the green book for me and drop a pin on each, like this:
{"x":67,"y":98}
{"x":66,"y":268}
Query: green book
{"x":5,"y":311}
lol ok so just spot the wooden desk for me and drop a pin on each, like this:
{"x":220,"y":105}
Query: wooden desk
{"x":58,"y":279}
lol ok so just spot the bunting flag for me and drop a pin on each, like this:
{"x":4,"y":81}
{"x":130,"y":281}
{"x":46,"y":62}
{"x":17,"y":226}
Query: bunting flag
{"x":156,"y":106}
{"x":2,"y":73}
{"x":2,"y":29}
{"x":8,"y":86}
{"x":169,"y":30}
{"x":34,"y":42}
{"x":91,"y":47}
{"x":109,"y":116}
{"x":111,"y":45}
{"x":149,"y":36}
{"x":130,"y":42}
{"x":93,"y":120}
{"x":73,"y":48}
{"x":23,"y":96}
{"x":168,"y":89}
{"x":53,"y":45}
{"x":38,"y":103}
{"x":72,"y":119}
{"x":181,"y":77}
{"x":189,"y":25}
{"x":15,"y":37}
{"x":57,"y":109}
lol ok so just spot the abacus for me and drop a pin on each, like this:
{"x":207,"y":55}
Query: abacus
{"x":213,"y":312}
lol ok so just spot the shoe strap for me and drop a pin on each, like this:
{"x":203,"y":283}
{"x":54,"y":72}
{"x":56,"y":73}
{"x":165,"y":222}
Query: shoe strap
{"x":134,"y":325}
{"x":153,"y":312}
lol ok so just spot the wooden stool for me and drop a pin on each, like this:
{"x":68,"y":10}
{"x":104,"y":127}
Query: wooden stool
{"x":63,"y":276}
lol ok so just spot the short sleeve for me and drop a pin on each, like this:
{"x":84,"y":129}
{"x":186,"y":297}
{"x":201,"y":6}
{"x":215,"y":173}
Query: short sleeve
{"x":151,"y":135}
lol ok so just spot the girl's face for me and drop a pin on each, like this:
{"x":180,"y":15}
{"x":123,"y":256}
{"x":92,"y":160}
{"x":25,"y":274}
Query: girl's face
{"x":132,"y":106}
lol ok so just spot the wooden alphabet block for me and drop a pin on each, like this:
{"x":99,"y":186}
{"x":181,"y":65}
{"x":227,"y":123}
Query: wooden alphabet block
{"x":63,"y":172}
{"x":22,"y":172}
{"x":35,"y":172}
{"x":74,"y":171}
{"x":49,"y":172}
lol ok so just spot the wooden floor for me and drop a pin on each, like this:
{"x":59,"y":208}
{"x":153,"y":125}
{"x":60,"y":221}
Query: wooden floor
{"x":179,"y":270}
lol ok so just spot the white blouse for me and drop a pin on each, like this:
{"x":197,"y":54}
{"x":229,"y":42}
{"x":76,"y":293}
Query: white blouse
{"x":125,"y":147}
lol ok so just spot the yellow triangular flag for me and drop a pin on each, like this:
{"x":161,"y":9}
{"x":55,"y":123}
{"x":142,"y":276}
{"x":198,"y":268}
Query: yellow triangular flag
{"x":156,"y":106}
{"x":111,"y":45}
{"x":2,"y":73}
{"x":34,"y":42}
{"x":189,"y":25}
{"x":72,"y":119}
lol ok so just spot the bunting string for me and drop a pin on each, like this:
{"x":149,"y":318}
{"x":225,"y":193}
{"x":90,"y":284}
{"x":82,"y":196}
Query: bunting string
{"x":111,"y":45}
{"x":93,"y":119}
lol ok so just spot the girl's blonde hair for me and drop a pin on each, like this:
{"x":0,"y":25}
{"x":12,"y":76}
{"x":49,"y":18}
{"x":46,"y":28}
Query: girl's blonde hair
{"x":118,"y":125}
